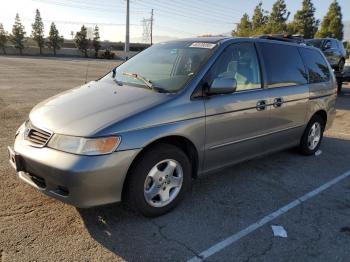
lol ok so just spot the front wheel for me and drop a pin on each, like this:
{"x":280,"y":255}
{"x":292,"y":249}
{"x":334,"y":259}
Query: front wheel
{"x":158,"y":180}
{"x":312,"y":137}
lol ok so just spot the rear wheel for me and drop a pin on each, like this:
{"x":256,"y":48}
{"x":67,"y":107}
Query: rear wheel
{"x":341,"y":65}
{"x":158,"y":181}
{"x":312,"y":137}
{"x":339,"y":84}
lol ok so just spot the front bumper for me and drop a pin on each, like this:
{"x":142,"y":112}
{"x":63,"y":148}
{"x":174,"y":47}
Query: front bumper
{"x":82,"y":181}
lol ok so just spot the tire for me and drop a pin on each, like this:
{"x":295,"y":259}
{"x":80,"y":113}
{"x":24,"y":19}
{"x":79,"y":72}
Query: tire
{"x":148,"y":176}
{"x":339,"y":85}
{"x":341,"y":65}
{"x":305,"y":144}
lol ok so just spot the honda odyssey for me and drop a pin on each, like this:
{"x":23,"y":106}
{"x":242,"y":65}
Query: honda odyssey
{"x":177,"y":110}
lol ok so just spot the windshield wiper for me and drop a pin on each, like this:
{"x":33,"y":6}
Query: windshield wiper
{"x":147,"y":82}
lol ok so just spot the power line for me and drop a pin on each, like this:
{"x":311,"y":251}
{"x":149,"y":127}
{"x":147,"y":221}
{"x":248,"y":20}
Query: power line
{"x":179,"y":9}
{"x":181,"y":14}
{"x":217,"y":6}
{"x":176,"y":13}
{"x":176,"y":30}
{"x":119,"y":5}
{"x":79,"y":5}
{"x":71,"y":22}
{"x":195,"y":9}
{"x":175,"y":16}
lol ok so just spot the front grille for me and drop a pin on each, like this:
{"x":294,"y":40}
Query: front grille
{"x":36,"y":136}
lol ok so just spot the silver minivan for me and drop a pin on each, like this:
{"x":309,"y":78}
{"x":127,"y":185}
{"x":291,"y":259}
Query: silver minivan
{"x":177,"y":110}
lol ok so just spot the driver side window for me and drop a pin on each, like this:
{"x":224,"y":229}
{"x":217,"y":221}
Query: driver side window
{"x":240,"y":62}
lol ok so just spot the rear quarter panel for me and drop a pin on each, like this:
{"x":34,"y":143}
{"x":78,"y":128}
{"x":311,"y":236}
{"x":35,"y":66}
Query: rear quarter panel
{"x":323,"y":97}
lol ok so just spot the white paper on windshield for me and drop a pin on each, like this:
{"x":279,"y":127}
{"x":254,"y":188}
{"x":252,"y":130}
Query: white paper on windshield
{"x":203,"y":45}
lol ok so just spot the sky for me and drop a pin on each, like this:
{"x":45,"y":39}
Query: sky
{"x":172,"y":18}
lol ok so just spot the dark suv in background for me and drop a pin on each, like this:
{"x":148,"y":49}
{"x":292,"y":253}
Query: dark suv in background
{"x":333,"y":50}
{"x":335,"y":53}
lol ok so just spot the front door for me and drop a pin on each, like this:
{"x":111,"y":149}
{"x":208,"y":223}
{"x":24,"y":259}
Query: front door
{"x":236,"y":123}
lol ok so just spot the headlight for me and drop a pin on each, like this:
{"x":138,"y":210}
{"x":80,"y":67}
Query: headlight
{"x":20,"y":128}
{"x":84,"y":146}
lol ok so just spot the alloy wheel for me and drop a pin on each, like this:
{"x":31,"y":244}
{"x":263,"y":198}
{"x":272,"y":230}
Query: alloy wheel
{"x":163,"y":183}
{"x":314,"y":136}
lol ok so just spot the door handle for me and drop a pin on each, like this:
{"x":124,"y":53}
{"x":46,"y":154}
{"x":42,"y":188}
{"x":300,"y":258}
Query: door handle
{"x":261,"y":105}
{"x":278,"y":102}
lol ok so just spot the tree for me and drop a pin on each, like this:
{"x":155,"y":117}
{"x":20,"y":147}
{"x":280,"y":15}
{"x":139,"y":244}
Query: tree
{"x":259,"y":20}
{"x":277,"y":20}
{"x":96,"y":41}
{"x":55,"y":40}
{"x":3,"y":38}
{"x":304,"y":22}
{"x":81,"y":41}
{"x":18,"y":34}
{"x":38,"y":31}
{"x":347,"y":47}
{"x":332,"y":25}
{"x":244,"y":28}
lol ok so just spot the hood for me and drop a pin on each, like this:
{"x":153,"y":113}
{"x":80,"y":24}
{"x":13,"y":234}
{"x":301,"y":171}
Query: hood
{"x":85,"y":110}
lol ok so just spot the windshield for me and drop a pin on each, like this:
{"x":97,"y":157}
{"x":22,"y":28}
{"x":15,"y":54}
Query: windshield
{"x":315,"y":43}
{"x":166,"y":66}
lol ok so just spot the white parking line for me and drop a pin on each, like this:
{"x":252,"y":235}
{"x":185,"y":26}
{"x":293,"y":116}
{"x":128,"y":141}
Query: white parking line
{"x":235,"y":237}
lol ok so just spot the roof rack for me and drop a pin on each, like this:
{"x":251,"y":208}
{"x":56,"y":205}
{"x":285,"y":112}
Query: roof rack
{"x":285,"y":38}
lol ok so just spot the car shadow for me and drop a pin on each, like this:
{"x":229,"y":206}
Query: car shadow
{"x":218,"y":205}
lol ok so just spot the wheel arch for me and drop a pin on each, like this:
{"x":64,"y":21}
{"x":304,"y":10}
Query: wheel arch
{"x":323,"y":114}
{"x":181,"y":142}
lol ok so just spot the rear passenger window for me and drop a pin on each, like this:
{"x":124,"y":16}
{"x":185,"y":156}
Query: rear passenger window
{"x":316,"y":65}
{"x":334,"y":44}
{"x":283,"y":65}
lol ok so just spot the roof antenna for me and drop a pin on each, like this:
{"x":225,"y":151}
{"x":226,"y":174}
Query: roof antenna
{"x":87,"y":71}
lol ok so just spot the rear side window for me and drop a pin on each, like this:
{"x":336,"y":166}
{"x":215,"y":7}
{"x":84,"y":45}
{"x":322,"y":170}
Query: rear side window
{"x":283,"y":65}
{"x":316,"y":65}
{"x":341,"y":45}
{"x":334,"y":44}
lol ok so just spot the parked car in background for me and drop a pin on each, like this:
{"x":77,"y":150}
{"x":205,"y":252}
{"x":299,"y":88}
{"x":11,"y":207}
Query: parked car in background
{"x":333,"y":49}
{"x":174,"y":111}
{"x":346,"y":72}
{"x":335,"y":53}
{"x":106,"y":54}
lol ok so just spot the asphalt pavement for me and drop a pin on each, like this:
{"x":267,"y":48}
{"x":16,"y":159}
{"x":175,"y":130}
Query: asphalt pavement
{"x":34,"y":227}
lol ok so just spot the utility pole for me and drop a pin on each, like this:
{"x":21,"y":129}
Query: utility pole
{"x":127,"y":32}
{"x":152,"y":27}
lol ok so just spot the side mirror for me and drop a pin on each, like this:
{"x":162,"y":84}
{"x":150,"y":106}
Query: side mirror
{"x":223,"y":86}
